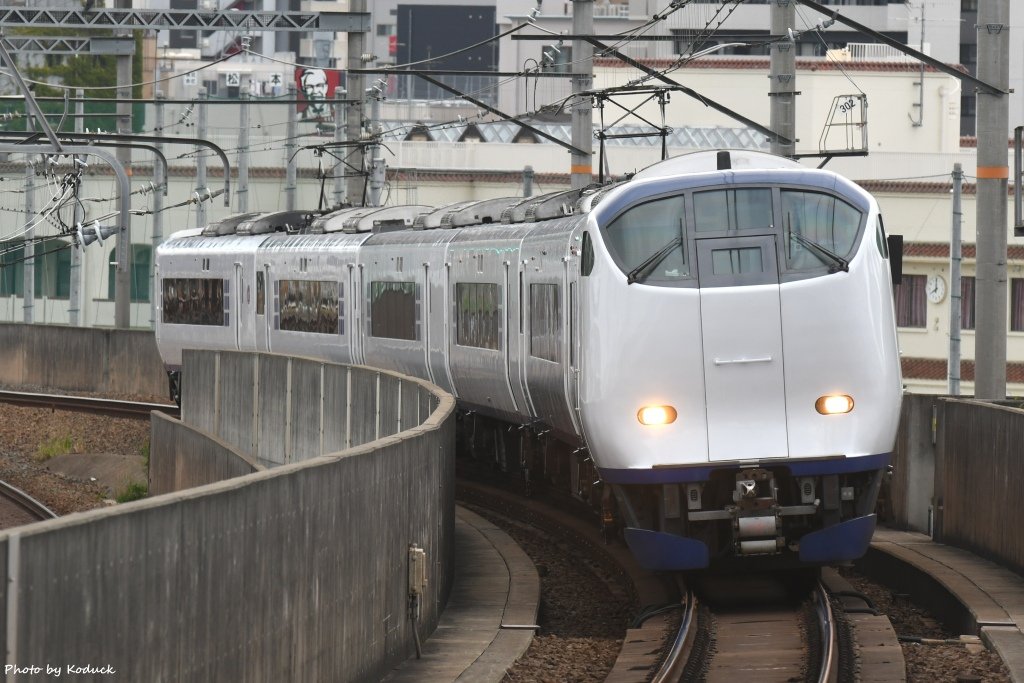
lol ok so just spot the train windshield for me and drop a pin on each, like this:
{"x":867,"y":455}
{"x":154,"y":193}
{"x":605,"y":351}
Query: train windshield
{"x":649,"y":240}
{"x":656,"y":242}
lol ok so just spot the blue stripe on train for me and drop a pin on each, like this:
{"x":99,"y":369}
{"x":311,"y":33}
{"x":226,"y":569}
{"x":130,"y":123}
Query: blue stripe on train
{"x":797,"y":468}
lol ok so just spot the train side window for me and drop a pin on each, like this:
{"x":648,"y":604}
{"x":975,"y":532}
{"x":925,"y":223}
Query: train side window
{"x":819,"y":218}
{"x":260,"y":295}
{"x":587,"y":257}
{"x":646,"y":229}
{"x":478,"y":315}
{"x":309,"y":306}
{"x":394,"y":310}
{"x":726,"y":210}
{"x":194,"y":301}
{"x":545,"y":322}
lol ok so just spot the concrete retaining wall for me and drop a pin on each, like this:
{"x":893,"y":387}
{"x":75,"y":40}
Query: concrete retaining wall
{"x":281,"y":410}
{"x":81,"y":359}
{"x":182,"y":457}
{"x":956,"y":475}
{"x":297,"y":573}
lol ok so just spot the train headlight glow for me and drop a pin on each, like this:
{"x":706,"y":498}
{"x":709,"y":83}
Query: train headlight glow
{"x":834,"y":405}
{"x":657,"y":415}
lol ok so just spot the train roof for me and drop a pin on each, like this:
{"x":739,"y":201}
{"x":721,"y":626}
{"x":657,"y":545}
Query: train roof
{"x":496,"y":211}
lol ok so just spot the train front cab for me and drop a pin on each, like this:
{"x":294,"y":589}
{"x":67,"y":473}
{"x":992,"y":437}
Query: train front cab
{"x":765,"y":327}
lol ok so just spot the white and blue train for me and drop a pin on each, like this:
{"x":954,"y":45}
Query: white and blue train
{"x":713,"y":340}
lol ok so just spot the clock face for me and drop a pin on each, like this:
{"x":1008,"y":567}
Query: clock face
{"x":935,"y":288}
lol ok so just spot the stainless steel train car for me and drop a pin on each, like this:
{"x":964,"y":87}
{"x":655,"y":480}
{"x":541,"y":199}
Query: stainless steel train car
{"x":705,"y":351}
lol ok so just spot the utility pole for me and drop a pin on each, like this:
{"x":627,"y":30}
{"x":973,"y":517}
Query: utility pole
{"x":339,"y":136}
{"x":159,"y":181}
{"x":78,"y":217}
{"x":28,"y":288}
{"x":955,"y":290}
{"x":357,"y":94}
{"x":289,"y":150}
{"x":242,"y":193}
{"x":782,"y":84}
{"x":378,"y":174}
{"x":202,"y":134}
{"x":993,"y":171}
{"x":122,"y":272}
{"x":581,"y":170}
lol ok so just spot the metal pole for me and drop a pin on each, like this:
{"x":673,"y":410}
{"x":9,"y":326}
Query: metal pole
{"x":77,"y":271}
{"x":955,"y":291}
{"x":339,"y":136}
{"x":782,"y":84}
{"x":581,"y":170}
{"x":377,"y":171}
{"x":528,"y":181}
{"x":357,"y":94}
{"x":243,"y":154}
{"x":201,"y":189}
{"x":123,"y":270}
{"x":160,"y":190}
{"x":992,"y":174}
{"x":28,"y":287}
{"x":289,"y":151}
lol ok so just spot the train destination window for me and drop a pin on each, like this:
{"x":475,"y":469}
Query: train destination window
{"x":724,"y":210}
{"x":818,"y":219}
{"x":649,"y":240}
{"x":478,"y":314}
{"x":736,"y":261}
{"x":194,"y":301}
{"x":394,"y":310}
{"x":545,"y":322}
{"x":309,"y":306}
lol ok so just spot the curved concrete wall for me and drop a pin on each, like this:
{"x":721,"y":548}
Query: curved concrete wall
{"x":82,"y":359}
{"x":956,"y":469}
{"x":295,"y":573}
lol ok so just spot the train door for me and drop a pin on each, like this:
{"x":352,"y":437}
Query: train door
{"x":741,"y":328}
{"x":262,"y":318}
{"x":356,"y":296}
{"x":239,"y":313}
{"x":545,"y":305}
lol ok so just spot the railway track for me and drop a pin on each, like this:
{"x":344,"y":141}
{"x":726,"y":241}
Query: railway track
{"x":754,"y":630}
{"x":98,"y":406}
{"x":17,"y":507}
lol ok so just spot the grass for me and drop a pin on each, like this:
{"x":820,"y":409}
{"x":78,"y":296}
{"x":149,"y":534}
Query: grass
{"x":58,"y":445}
{"x":144,"y":451}
{"x":134,"y":491}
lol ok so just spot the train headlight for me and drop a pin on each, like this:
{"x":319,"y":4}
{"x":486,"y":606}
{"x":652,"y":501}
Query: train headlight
{"x":834,"y":405}
{"x":657,"y":415}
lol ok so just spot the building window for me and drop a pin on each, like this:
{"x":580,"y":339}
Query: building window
{"x":478,"y":315}
{"x":1017,"y":305}
{"x":545,"y":323}
{"x":394,"y":310}
{"x":194,"y":301}
{"x":141,"y":255}
{"x":966,"y":303}
{"x":910,"y":301}
{"x":52,"y":272}
{"x":307,"y":306}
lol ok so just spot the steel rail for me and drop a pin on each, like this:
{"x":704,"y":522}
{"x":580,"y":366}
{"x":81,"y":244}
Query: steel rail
{"x":101,"y":406}
{"x":828,"y":634}
{"x":26,"y":502}
{"x":679,"y":654}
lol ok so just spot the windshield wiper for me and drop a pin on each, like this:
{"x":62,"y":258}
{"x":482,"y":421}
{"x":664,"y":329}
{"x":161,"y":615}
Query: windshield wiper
{"x":652,"y":260}
{"x":837,"y":261}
